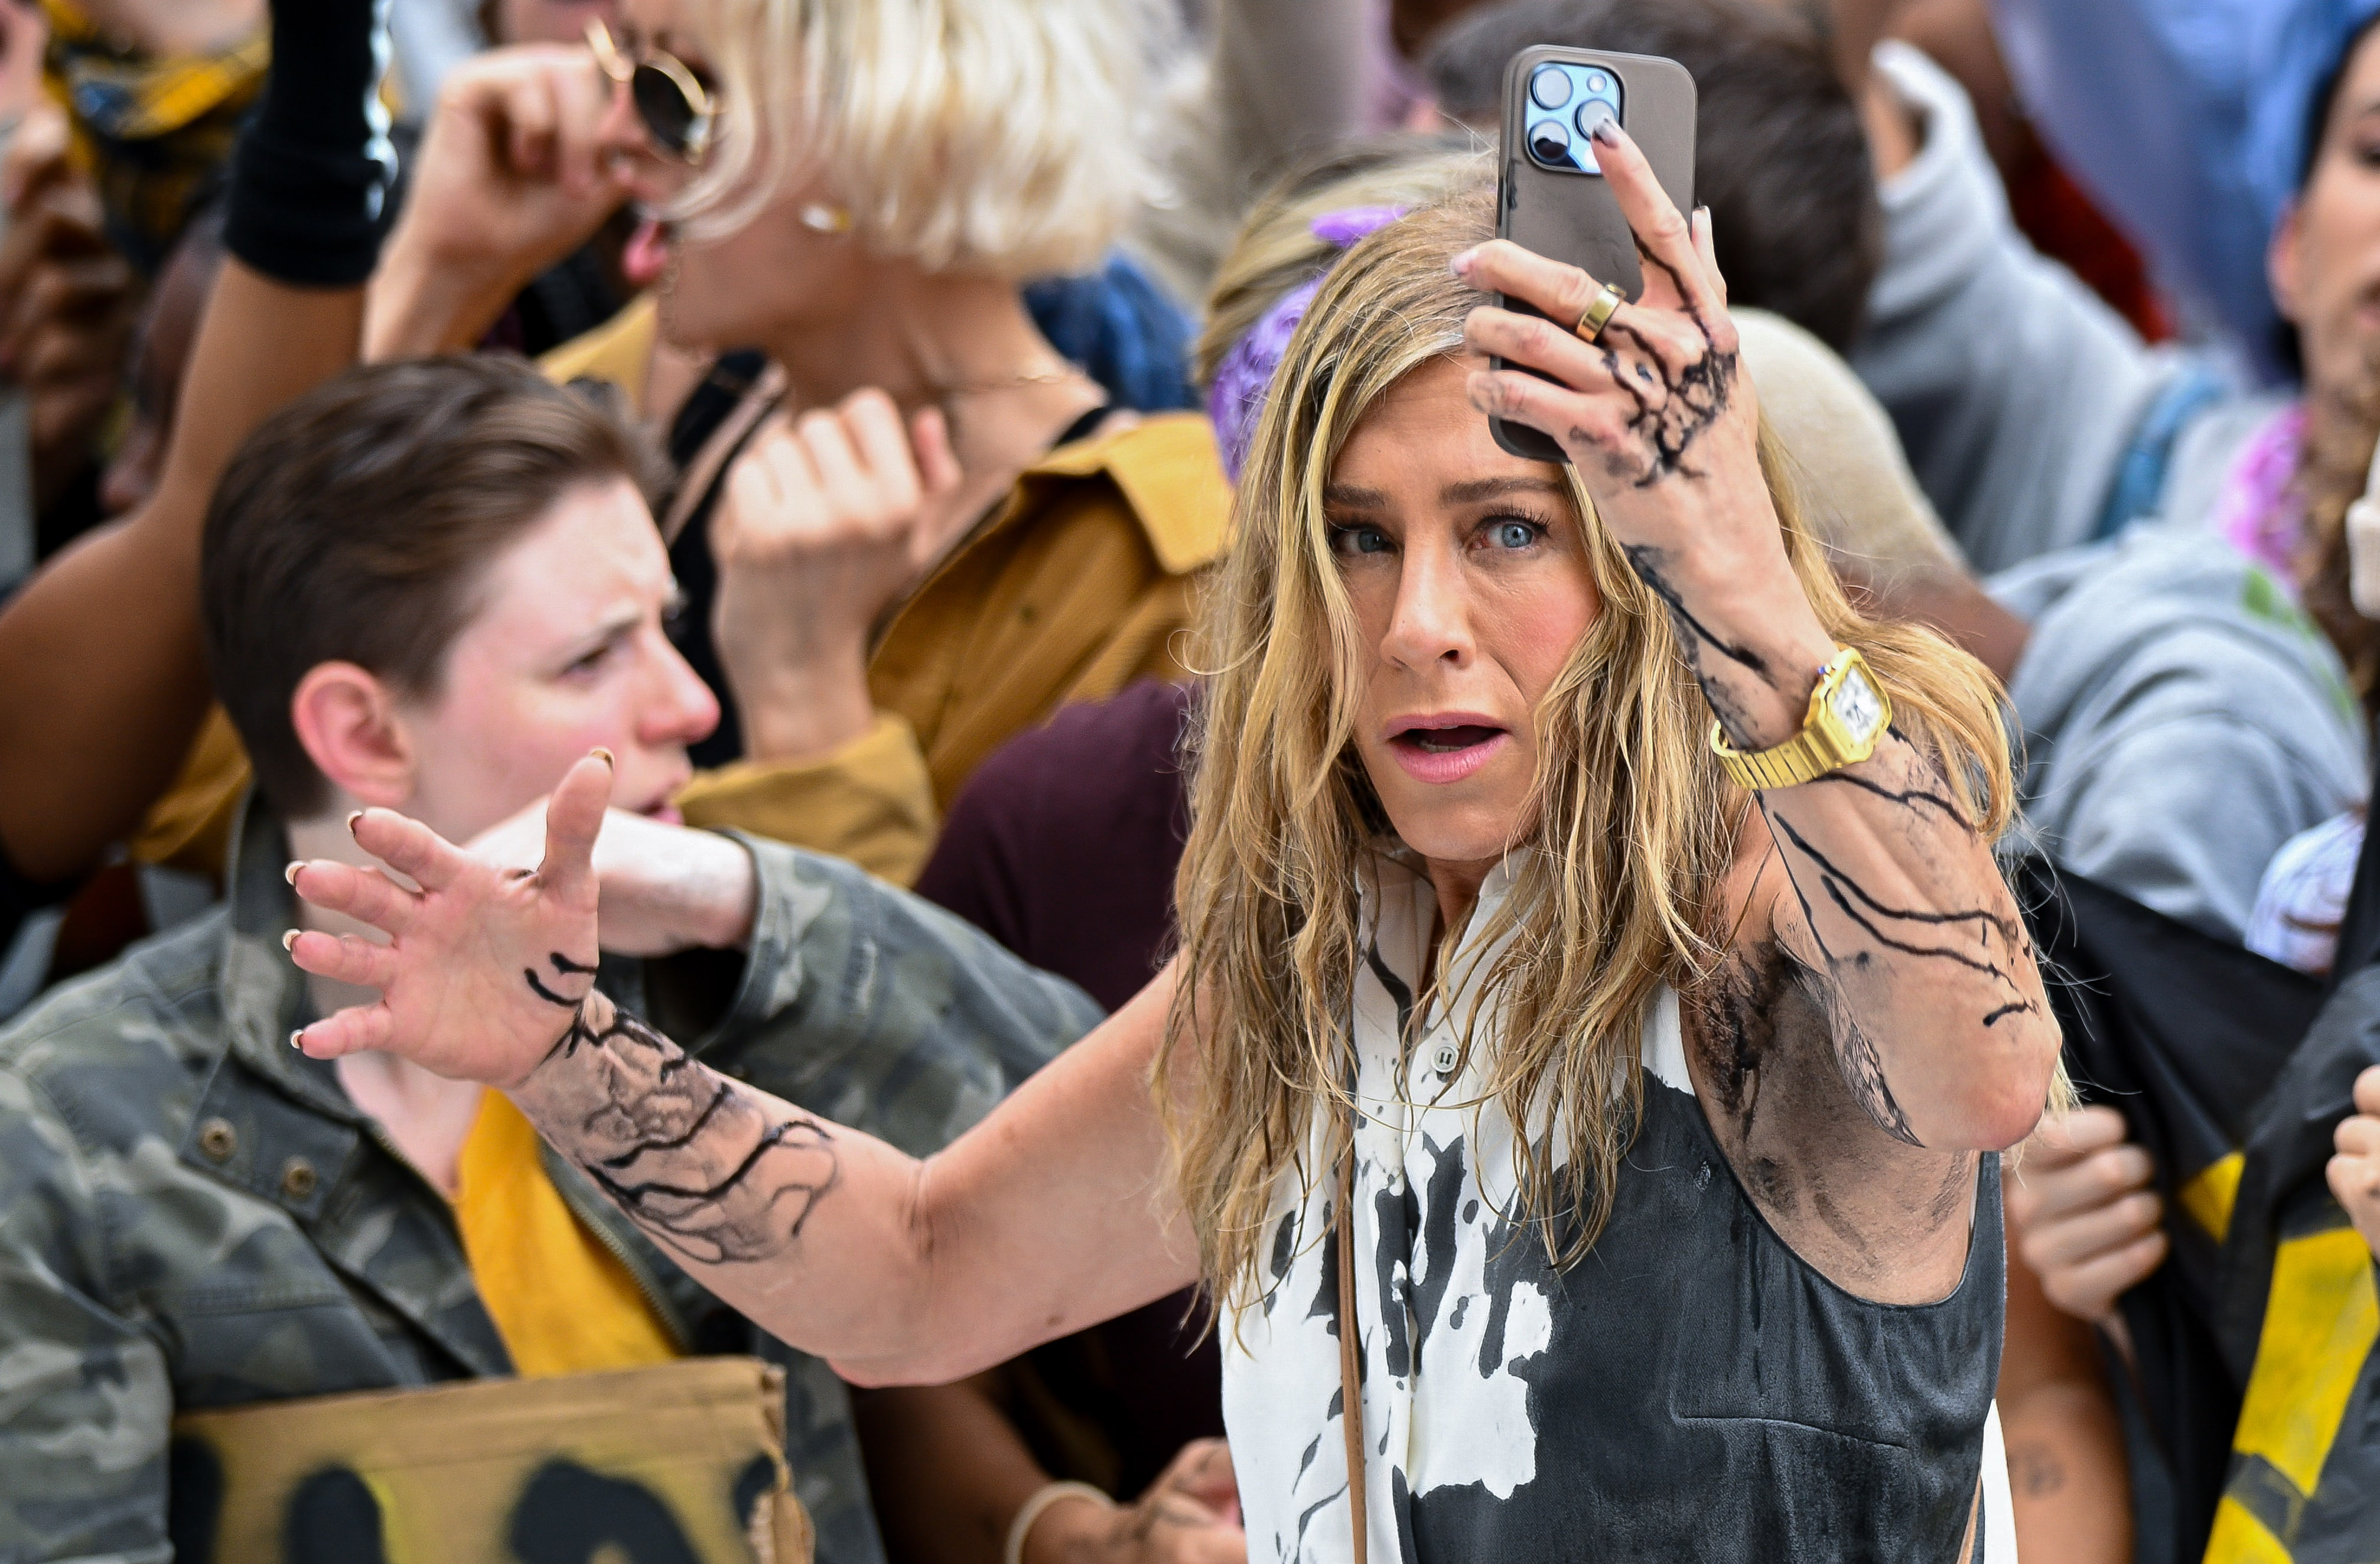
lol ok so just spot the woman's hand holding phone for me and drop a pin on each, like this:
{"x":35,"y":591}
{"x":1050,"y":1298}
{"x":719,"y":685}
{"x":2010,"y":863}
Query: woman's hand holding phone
{"x":1663,"y":427}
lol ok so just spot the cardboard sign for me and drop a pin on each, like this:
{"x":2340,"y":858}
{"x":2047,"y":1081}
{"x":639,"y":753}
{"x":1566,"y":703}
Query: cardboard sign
{"x":679,"y":1463}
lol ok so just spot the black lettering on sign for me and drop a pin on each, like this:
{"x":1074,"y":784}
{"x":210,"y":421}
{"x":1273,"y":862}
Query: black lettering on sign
{"x":194,"y":1499}
{"x":332,"y":1519}
{"x":566,"y":1513}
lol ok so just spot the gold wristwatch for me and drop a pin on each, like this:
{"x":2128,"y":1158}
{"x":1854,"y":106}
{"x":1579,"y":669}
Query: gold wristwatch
{"x":1848,"y":715}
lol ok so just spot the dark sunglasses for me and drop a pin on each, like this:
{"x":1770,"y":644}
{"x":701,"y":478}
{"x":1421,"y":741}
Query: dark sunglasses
{"x":676,"y":109}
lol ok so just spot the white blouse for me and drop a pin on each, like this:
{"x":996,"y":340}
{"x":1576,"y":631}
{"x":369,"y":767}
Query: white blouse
{"x":1425,"y":1146}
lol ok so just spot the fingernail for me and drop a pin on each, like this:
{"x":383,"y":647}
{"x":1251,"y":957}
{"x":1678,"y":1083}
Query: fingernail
{"x":604,"y":755}
{"x":290,"y":873}
{"x":1461,"y":263}
{"x":289,"y":939}
{"x":351,"y":821}
{"x":1607,"y":130}
{"x":295,"y":1044}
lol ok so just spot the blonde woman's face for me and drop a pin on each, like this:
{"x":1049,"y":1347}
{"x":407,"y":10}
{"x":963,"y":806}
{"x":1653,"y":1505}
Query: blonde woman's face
{"x":1471,"y":587}
{"x":783,"y":274}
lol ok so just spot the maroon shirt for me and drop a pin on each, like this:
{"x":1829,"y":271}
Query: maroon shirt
{"x":1063,"y":847}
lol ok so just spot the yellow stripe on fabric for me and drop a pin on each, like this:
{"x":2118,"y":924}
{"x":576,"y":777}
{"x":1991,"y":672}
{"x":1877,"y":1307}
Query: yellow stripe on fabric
{"x":2208,"y":1196}
{"x":2321,"y":1318}
{"x":562,"y":1302}
{"x":2240,"y":1538}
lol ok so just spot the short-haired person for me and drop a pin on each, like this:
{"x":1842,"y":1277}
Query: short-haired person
{"x":1475,"y":925}
{"x":923,"y":552}
{"x":429,"y":587}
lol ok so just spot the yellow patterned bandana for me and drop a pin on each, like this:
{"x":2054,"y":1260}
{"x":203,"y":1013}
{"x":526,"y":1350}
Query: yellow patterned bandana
{"x":156,"y":134}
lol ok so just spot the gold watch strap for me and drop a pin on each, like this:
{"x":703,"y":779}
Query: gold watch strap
{"x":1818,"y":748}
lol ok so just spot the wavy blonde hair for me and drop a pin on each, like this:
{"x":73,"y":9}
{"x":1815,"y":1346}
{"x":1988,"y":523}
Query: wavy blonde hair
{"x":994,"y":136}
{"x":1635,"y":824}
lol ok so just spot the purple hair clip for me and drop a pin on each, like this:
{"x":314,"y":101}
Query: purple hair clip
{"x":1237,"y":397}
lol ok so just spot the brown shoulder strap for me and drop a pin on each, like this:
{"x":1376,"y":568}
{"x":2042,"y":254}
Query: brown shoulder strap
{"x":1351,"y":1387}
{"x":702,"y":473}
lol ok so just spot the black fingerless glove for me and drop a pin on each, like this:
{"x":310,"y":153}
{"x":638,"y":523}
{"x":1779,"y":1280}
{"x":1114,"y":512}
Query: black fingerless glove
{"x":310,"y":178}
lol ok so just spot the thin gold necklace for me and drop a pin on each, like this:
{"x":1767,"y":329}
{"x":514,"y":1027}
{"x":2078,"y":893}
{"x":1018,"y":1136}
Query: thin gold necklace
{"x":1052,"y":377}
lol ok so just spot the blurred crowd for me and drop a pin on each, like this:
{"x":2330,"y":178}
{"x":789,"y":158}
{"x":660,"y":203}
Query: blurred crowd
{"x":833,"y":409}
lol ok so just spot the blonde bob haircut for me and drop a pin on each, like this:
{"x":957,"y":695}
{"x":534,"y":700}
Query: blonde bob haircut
{"x":1000,"y":137}
{"x":1633,"y":828}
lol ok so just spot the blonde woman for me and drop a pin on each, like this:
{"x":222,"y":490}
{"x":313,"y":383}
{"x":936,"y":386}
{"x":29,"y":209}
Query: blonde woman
{"x":839,"y":203}
{"x":1670,"y":1227}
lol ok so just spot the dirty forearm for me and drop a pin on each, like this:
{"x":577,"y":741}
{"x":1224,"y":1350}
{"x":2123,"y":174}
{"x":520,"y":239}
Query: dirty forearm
{"x":1893,"y":900}
{"x":753,"y":1196}
{"x":1036,"y":1222}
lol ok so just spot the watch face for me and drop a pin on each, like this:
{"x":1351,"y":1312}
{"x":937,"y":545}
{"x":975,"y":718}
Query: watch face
{"x":1856,"y":705}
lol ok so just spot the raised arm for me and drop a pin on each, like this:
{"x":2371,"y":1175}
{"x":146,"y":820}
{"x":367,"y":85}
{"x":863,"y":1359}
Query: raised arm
{"x":103,"y":678}
{"x":1049,"y":1215}
{"x":1891,"y":900}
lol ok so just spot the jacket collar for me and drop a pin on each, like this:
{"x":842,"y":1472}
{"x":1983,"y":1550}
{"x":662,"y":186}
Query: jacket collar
{"x":278,"y":1125}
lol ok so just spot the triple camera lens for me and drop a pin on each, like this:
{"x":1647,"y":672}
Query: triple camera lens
{"x":1567,"y":101}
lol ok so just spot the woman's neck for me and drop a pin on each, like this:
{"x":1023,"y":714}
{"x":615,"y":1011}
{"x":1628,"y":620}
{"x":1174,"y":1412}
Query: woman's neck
{"x":964,"y":344}
{"x":926,"y":337}
{"x":1457,"y":885}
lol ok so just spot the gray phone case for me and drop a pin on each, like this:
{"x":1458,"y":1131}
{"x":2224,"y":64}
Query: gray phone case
{"x":1575,"y":217}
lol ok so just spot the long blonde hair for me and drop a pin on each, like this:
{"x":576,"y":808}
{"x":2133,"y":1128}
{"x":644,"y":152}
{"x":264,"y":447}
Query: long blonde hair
{"x":1635,"y":824}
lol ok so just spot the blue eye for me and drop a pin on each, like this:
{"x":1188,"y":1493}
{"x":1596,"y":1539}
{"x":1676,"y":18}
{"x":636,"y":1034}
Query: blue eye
{"x":1512,"y":534}
{"x":1359,"y":540}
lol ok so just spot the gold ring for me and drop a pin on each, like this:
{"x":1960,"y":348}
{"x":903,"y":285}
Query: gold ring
{"x":1599,"y":314}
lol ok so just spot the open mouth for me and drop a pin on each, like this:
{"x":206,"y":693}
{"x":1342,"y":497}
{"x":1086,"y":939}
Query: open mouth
{"x":647,"y":254}
{"x":1447,"y":740}
{"x":1446,"y":749}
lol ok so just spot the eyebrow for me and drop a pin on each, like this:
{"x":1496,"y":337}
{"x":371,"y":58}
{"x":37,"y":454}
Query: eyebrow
{"x":1472,"y":491}
{"x":1349,"y":497}
{"x":1476,"y":489}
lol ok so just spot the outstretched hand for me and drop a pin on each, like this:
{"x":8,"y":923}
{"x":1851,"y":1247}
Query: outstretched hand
{"x":485,"y":967}
{"x":1663,"y":427}
{"x":1664,"y":430}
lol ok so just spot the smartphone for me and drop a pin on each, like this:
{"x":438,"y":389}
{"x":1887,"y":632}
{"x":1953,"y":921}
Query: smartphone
{"x":1551,"y":197}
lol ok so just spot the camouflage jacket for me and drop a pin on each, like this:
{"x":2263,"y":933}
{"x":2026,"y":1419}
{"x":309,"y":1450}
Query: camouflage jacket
{"x":192,"y":1214}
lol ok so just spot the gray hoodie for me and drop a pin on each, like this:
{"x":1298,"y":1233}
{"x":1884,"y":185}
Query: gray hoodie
{"x":2182,"y":719}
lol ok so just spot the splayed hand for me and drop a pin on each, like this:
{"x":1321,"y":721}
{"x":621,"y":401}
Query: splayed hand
{"x":486,"y":967}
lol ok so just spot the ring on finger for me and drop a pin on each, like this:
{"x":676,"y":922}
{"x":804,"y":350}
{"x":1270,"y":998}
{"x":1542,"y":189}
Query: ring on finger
{"x":1599,"y":313}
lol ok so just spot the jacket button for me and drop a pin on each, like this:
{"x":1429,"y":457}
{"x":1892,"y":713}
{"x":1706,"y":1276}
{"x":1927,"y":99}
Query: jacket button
{"x":218,"y":1139}
{"x":297,"y":1178}
{"x":1446,"y":1060}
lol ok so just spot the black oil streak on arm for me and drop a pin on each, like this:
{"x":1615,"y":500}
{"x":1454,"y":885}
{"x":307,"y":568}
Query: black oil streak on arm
{"x":694,"y":1217}
{"x":1836,"y":880}
{"x":1864,"y":1071}
{"x":1855,"y":1053}
{"x":1647,"y":561}
{"x":1909,"y":797}
{"x":675,"y":1143}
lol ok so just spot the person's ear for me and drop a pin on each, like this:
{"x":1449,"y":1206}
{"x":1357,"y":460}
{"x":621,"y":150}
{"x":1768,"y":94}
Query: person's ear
{"x":2285,"y":261}
{"x":348,"y":720}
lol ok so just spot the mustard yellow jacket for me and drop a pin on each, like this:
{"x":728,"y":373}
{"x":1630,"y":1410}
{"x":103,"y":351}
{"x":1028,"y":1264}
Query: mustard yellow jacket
{"x":1082,"y":582}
